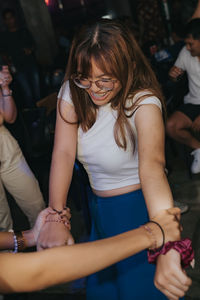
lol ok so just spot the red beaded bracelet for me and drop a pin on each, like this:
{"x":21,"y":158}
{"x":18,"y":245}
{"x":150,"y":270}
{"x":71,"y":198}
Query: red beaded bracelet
{"x":184,"y":247}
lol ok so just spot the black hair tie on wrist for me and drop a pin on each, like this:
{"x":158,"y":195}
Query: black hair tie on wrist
{"x":162,"y":231}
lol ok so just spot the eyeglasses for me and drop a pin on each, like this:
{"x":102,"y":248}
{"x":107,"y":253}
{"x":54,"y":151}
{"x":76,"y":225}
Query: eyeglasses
{"x":103,"y":84}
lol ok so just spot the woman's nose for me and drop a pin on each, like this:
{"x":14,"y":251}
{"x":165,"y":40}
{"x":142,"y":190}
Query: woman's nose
{"x":94,"y":87}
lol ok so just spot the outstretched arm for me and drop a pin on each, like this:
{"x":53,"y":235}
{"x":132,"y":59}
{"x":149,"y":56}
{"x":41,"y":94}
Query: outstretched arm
{"x":34,"y":271}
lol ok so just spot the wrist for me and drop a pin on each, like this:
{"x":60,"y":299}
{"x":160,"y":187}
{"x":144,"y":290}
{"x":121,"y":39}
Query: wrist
{"x":58,"y":218}
{"x":6,"y":92}
{"x":183,"y":247}
{"x":156,"y":234}
{"x":20,"y":243}
{"x":149,"y":240}
{"x":29,"y":237}
{"x":151,"y":236}
{"x":57,"y":206}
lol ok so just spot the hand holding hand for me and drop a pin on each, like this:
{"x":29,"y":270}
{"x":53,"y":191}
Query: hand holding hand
{"x":5,"y":77}
{"x":54,"y":232}
{"x":169,"y":221}
{"x":54,"y":235}
{"x":40,"y":221}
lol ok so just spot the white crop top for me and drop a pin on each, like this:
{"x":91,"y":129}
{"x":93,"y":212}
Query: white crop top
{"x":108,"y":166}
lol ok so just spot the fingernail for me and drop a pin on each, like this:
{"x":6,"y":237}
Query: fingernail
{"x":192,"y":264}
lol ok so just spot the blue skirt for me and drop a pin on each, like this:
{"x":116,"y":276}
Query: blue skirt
{"x":132,"y":278}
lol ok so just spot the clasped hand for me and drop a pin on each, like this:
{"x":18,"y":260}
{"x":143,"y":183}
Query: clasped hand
{"x":49,"y":232}
{"x":5,"y":77}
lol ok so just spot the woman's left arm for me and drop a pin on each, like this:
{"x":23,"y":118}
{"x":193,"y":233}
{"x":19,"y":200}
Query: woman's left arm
{"x":151,"y":143}
{"x":169,"y":278}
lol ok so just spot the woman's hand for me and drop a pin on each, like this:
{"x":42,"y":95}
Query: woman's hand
{"x":40,"y":221}
{"x":169,"y":221}
{"x":175,"y":73}
{"x":5,"y":77}
{"x":170,"y":279}
{"x":54,"y":234}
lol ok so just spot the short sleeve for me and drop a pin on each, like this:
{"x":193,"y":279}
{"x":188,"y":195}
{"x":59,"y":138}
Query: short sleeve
{"x":149,"y":99}
{"x":152,"y":100}
{"x":182,"y":59}
{"x":64,"y":93}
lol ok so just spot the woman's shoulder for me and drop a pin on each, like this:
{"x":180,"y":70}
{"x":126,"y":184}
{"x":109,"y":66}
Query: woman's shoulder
{"x":64,"y":92}
{"x":145,"y":97}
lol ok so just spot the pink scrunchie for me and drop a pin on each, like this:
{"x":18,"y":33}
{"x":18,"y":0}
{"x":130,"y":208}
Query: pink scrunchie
{"x":184,"y":247}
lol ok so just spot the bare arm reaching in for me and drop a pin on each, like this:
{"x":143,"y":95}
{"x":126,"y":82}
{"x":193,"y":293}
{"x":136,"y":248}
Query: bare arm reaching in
{"x":72,"y":262}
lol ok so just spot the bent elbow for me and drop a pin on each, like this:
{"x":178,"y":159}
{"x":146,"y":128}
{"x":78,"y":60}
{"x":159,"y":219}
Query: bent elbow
{"x":155,"y":166}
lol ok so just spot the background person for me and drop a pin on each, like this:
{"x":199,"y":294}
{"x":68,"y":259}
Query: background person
{"x":186,"y":119}
{"x":18,"y":47}
{"x":15,"y":174}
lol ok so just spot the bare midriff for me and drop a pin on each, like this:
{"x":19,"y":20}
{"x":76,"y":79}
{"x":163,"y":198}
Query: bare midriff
{"x":117,"y":192}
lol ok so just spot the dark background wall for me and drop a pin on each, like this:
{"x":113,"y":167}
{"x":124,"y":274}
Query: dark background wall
{"x":42,"y":18}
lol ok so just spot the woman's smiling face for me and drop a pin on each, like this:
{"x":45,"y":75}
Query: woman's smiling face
{"x":99,"y":96}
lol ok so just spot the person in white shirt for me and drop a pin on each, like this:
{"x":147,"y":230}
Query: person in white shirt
{"x":186,"y":119}
{"x":110,"y":116}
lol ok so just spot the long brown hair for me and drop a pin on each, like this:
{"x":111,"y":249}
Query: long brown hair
{"x":115,"y":51}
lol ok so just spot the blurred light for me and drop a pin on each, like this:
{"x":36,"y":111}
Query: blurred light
{"x":47,"y":2}
{"x":60,"y":5}
{"x":109,"y":16}
{"x":82,"y":3}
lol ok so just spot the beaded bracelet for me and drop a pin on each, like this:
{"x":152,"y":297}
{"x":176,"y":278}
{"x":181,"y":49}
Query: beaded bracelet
{"x":21,"y":242}
{"x":60,"y":220}
{"x":15,"y":244}
{"x":56,"y":221}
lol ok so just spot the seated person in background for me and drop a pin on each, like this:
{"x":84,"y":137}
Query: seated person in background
{"x":186,"y":120}
{"x":15,"y":174}
{"x":53,"y":266}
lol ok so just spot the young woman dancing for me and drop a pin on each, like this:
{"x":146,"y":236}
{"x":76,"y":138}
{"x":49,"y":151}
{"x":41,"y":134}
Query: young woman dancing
{"x":110,"y":116}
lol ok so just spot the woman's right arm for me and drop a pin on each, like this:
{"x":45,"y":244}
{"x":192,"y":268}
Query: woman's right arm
{"x":54,"y":233}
